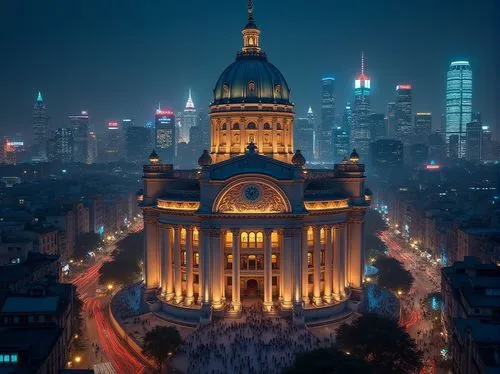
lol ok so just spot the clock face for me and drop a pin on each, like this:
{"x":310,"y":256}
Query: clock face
{"x":252,"y":193}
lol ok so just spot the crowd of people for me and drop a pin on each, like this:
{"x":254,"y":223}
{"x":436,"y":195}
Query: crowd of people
{"x":253,"y":344}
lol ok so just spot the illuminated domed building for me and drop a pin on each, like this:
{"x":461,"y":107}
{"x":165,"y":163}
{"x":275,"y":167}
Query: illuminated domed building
{"x":253,"y":222}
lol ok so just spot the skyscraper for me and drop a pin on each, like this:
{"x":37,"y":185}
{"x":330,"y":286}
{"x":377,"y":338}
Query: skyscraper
{"x":304,"y":137}
{"x":92,"y":147}
{"x":458,"y":102}
{"x":403,"y":113}
{"x":40,"y":130}
{"x":80,"y":128}
{"x":378,"y":129}
{"x":390,"y":119}
{"x":474,"y":135}
{"x":189,"y":118}
{"x":360,"y":131}
{"x":341,"y":136}
{"x":312,"y":124}
{"x":114,"y":143}
{"x":63,"y":145}
{"x":324,"y":135}
{"x":165,"y":135}
{"x":204,"y":124}
{"x":422,"y":127}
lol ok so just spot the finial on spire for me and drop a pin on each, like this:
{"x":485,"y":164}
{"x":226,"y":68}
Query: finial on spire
{"x":39,"y":98}
{"x":190,"y":104}
{"x":362,"y":62}
{"x":250,"y":10}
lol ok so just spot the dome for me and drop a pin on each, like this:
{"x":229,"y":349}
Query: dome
{"x":251,"y":79}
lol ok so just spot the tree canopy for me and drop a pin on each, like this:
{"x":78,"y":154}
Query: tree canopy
{"x":328,"y":360}
{"x":381,"y":342}
{"x":125,"y":267}
{"x":160,"y":343}
{"x":392,"y":275}
{"x":85,"y":243}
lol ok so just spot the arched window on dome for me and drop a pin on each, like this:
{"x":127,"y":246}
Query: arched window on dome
{"x":225,"y":90}
{"x":223,"y":126}
{"x":251,"y":86}
{"x":277,"y":89}
{"x":267,"y":126}
{"x":278,"y":126}
{"x":236,"y":126}
{"x":251,"y":126}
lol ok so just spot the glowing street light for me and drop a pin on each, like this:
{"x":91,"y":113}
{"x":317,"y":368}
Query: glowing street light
{"x":78,"y":359}
{"x":110,"y":286}
{"x":400,"y":292}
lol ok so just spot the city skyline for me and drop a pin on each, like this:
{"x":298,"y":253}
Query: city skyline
{"x":95,"y":80}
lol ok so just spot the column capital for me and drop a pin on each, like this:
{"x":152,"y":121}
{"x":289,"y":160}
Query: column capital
{"x":177,"y":227}
{"x":316,"y":227}
{"x":327,"y":226}
{"x":215,"y":233}
{"x":190,"y":228}
{"x":268,"y":231}
{"x":356,"y":216}
{"x":235,"y":231}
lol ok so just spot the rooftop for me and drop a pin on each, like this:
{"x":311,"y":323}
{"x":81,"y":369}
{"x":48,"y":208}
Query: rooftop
{"x":26,"y":304}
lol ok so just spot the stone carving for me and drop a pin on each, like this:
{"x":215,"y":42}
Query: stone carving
{"x":252,"y":198}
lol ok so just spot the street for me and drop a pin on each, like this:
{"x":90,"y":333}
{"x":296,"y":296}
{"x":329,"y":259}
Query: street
{"x":103,"y":347}
{"x":426,"y":280}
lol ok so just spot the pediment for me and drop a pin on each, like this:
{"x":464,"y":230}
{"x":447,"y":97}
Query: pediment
{"x":252,"y":163}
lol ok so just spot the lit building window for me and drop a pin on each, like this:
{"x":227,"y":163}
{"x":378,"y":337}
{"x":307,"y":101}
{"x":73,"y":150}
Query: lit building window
{"x":309,"y":259}
{"x":183,"y":236}
{"x":184,"y":257}
{"x":251,"y":240}
{"x":244,"y":240}
{"x":251,"y":86}
{"x":274,"y":262}
{"x":196,"y":259}
{"x":229,"y":239}
{"x":322,"y":236}
{"x":229,"y":262}
{"x":196,"y":237}
{"x":310,"y":236}
{"x":260,"y":240}
{"x":274,"y":239}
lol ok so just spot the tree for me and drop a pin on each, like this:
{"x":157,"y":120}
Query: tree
{"x":160,"y":344}
{"x":382,"y":342}
{"x":392,"y":275}
{"x":328,"y":360}
{"x":85,"y":243}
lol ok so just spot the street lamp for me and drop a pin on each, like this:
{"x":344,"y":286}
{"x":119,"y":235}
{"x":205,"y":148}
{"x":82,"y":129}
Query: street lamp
{"x":78,"y":359}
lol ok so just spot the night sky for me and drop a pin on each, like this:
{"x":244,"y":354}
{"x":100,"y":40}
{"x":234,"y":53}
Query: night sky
{"x":118,"y":58}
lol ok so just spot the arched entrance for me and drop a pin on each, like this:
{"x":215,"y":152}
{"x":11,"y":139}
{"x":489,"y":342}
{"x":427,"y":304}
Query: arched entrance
{"x":252,"y":287}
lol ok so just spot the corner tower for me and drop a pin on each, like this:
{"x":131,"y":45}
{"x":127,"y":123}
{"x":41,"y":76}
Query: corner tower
{"x":251,"y":104}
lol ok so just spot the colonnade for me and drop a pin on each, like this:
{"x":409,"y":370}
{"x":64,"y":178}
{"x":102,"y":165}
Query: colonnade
{"x":332,"y":255}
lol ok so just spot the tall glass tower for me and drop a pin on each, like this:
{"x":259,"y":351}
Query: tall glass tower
{"x":458,"y":104}
{"x":360,"y":130}
{"x":324,"y":135}
{"x":40,"y":130}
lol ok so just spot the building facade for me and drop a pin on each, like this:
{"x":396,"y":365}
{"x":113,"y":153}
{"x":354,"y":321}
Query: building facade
{"x":403,"y":113}
{"x":165,"y":135}
{"x":252,"y":221}
{"x":80,"y":129}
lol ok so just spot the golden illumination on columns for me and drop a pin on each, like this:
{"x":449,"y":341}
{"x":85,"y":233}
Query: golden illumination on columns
{"x":177,"y":264}
{"x":328,"y":264}
{"x":317,"y":266}
{"x":268,"y":271}
{"x":189,"y":299}
{"x":152,"y":261}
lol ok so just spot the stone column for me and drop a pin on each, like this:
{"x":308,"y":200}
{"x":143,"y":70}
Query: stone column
{"x":305,"y":267}
{"x":343,"y":259}
{"x":317,"y":265}
{"x":189,"y":299}
{"x":328,"y":264}
{"x":268,"y":271}
{"x":356,"y":260}
{"x":152,"y":261}
{"x":287,"y":251}
{"x":337,"y":278}
{"x":216,"y":268}
{"x":166,"y":257}
{"x":297,"y":268}
{"x":204,"y":267}
{"x":281,"y":263}
{"x":177,"y":264}
{"x":236,"y":302}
